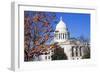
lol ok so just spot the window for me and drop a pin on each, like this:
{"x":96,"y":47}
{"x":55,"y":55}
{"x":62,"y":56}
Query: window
{"x":72,"y":51}
{"x":73,"y":58}
{"x":49,"y":57}
{"x":56,"y":35}
{"x":76,"y":51}
{"x":80,"y":51}
{"x":59,"y":36}
{"x":63,"y":35}
{"x":46,"y":57}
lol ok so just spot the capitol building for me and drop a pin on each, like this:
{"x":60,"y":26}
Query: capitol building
{"x":74,"y":49}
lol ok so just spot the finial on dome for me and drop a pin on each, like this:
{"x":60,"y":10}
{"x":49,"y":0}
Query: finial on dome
{"x":61,"y":18}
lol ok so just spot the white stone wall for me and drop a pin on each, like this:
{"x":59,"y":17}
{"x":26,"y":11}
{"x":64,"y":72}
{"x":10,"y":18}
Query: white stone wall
{"x":67,"y":50}
{"x":45,"y":57}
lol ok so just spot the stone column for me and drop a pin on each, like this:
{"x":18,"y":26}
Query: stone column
{"x":74,"y":51}
{"x":78,"y":50}
{"x":61,"y":35}
{"x":64,"y":36}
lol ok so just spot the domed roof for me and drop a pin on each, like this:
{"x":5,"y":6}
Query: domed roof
{"x":61,"y":26}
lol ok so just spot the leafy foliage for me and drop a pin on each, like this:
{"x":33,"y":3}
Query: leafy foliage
{"x":37,"y":32}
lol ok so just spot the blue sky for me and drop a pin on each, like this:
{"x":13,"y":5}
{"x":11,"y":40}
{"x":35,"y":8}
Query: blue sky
{"x":78,"y":24}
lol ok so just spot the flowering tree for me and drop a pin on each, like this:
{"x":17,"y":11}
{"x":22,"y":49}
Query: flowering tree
{"x":38,"y":32}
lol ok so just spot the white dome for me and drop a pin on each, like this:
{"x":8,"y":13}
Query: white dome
{"x":61,"y":32}
{"x":61,"y":26}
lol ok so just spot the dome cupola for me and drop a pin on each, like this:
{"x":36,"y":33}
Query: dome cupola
{"x":61,"y":26}
{"x":61,"y":32}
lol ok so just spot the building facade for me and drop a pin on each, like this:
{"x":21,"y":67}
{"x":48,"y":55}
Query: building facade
{"x":74,"y":49}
